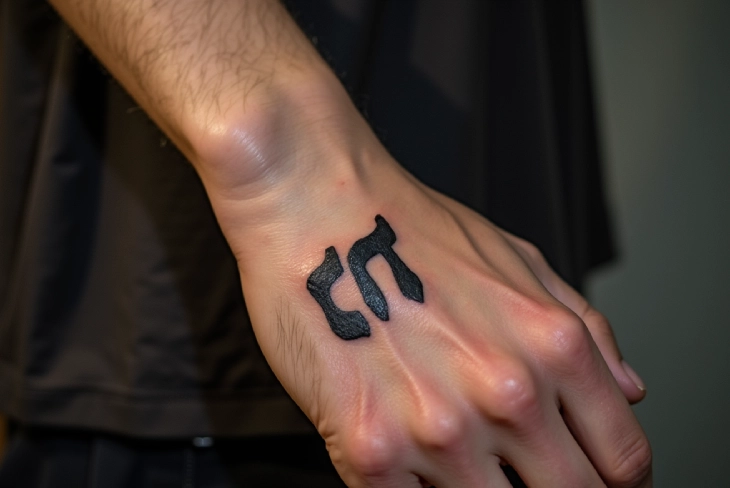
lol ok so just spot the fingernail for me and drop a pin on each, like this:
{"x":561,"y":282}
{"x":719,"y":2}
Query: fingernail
{"x":634,"y":377}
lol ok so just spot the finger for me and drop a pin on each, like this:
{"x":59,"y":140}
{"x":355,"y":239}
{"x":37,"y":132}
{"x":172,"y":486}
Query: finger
{"x":371,"y":457}
{"x":611,"y":436}
{"x":487,"y":472}
{"x":549,"y":456}
{"x":594,"y":409}
{"x":628,"y":380}
{"x":405,"y":480}
{"x":631,"y":384}
{"x":452,"y":443}
{"x":528,"y":429}
{"x":366,"y":477}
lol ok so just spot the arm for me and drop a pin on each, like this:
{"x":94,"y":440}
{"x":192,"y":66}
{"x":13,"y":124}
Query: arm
{"x":496,"y":360}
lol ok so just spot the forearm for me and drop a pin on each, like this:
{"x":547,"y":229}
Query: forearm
{"x":211,"y":73}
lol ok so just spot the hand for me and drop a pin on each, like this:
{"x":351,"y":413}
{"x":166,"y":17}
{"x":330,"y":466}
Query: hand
{"x":497,"y":365}
{"x":501,"y":363}
{"x":630,"y":383}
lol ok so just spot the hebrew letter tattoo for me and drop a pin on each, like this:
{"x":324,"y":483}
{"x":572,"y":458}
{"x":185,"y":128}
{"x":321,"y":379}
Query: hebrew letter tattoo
{"x":347,"y":325}
{"x":352,"y":325}
{"x":380,"y":241}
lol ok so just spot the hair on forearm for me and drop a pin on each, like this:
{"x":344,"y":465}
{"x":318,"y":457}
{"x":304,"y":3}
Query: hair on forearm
{"x":195,"y":58}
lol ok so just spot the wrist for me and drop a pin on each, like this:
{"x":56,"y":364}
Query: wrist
{"x":282,"y":129}
{"x":296,"y":148}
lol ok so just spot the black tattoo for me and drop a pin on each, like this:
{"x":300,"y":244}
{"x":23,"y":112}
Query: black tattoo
{"x":352,"y":325}
{"x":347,"y":325}
{"x":380,"y":241}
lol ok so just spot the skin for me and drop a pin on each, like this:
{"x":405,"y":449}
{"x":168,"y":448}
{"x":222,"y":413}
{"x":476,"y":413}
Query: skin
{"x":503,"y":362}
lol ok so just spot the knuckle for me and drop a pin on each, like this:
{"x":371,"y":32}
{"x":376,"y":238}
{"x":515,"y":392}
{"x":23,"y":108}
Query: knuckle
{"x":599,"y":324}
{"x":532,"y":250}
{"x":441,"y":430}
{"x":529,"y":250}
{"x":565,"y":340}
{"x":633,"y":465}
{"x":371,"y":453}
{"x":511,"y":395}
{"x":597,"y":319}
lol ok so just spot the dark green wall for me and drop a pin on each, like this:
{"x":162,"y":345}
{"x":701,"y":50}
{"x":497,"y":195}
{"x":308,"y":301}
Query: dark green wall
{"x":663,"y":84}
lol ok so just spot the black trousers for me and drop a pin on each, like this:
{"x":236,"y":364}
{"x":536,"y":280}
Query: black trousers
{"x":49,"y":458}
{"x":54,"y":458}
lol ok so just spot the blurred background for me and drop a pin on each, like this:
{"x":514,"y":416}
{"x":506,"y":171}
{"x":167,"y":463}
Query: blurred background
{"x":662,"y":73}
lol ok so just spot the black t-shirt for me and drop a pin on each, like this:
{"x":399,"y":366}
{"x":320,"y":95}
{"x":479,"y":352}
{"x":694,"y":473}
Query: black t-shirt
{"x":120,"y":304}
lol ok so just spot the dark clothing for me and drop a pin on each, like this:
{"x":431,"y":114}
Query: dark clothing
{"x":120,"y":305}
{"x":52,"y":458}
{"x":487,"y":101}
{"x":42,"y":458}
